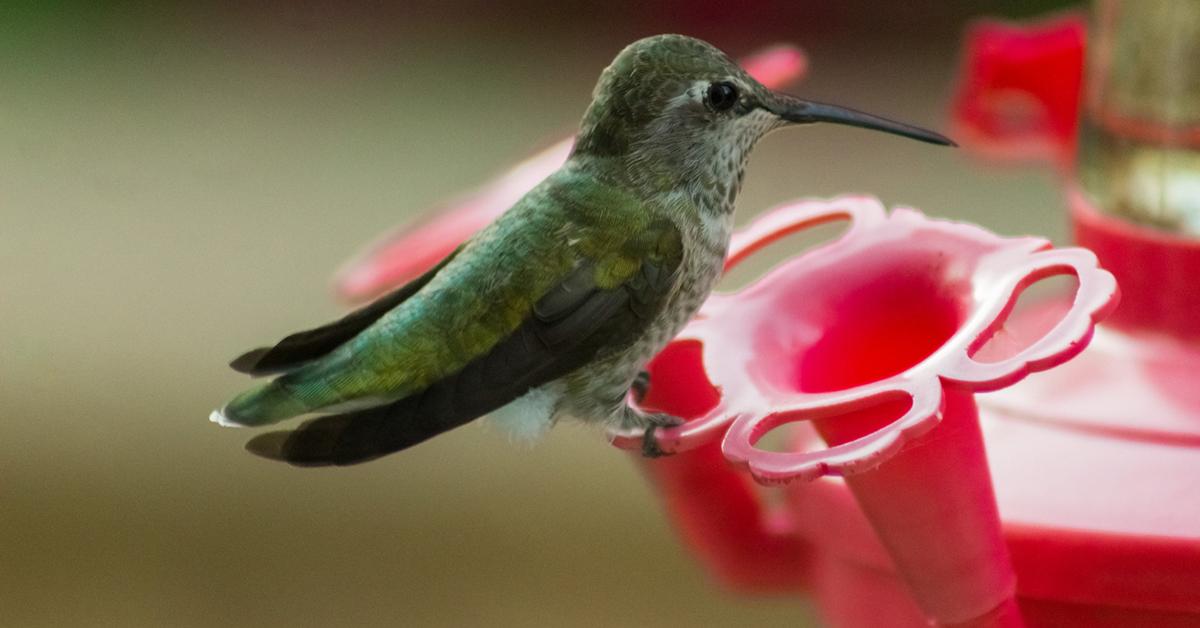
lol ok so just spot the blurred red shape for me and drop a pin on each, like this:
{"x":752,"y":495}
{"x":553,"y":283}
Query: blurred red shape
{"x":1019,"y":89}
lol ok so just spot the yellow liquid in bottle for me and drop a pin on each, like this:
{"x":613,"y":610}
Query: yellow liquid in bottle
{"x":1139,"y":143}
{"x":1142,"y":181}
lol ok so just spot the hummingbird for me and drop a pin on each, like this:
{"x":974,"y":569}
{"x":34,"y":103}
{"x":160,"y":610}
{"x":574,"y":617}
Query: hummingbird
{"x":554,"y":309}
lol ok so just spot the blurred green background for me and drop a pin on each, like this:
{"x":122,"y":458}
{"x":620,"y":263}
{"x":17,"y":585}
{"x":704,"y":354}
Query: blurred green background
{"x":178,"y":184}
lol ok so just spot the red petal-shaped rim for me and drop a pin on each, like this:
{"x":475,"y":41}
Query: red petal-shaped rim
{"x":998,"y":269}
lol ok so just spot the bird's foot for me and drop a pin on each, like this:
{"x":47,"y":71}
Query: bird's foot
{"x":630,"y":418}
{"x":650,"y":447}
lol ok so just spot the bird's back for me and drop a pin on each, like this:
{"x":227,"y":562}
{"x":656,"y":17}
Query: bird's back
{"x":485,"y":293}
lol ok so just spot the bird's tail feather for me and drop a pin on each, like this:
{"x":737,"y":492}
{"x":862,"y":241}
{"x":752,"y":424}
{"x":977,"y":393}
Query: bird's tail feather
{"x":368,"y":433}
{"x":266,"y":404}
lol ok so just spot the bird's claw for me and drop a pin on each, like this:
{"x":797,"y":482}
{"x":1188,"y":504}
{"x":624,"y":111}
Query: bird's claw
{"x":650,"y":446}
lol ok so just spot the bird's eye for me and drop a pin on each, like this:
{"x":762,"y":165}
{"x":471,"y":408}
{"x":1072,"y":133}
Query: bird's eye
{"x":721,"y":96}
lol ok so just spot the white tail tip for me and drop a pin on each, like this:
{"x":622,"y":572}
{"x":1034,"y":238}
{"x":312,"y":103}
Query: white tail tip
{"x":219,"y":418}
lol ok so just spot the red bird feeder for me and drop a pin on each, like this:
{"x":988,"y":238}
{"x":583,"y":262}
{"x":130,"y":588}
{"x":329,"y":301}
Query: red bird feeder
{"x":878,"y":341}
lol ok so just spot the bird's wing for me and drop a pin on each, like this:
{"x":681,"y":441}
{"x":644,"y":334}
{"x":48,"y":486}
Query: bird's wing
{"x":602,"y":302}
{"x":305,"y":346}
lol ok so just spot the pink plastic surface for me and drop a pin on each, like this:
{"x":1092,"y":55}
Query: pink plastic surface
{"x":919,"y":297}
{"x":1157,"y":270}
{"x":876,"y":338}
{"x":410,"y":250}
{"x":1095,"y":464}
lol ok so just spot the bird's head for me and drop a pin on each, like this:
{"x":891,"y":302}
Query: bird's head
{"x":671,"y":104}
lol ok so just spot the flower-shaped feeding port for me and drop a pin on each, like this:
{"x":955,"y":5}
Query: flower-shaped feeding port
{"x":876,"y":338}
{"x":896,"y":306}
{"x":414,"y":248}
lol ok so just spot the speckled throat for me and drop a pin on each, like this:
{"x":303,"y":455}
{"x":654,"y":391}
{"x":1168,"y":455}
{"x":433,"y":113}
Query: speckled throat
{"x":700,"y":200}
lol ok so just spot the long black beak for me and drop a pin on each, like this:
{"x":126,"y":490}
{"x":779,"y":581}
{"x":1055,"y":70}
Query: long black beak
{"x":802,"y":111}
